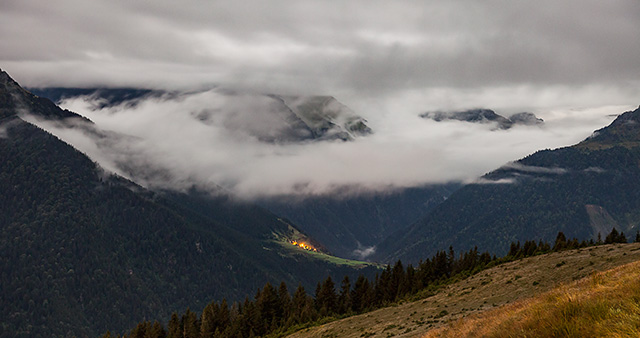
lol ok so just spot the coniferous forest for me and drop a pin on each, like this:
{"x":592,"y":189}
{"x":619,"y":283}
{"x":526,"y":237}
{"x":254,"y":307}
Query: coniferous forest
{"x":274,"y":311}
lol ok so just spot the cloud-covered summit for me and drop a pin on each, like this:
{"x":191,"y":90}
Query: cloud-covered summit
{"x":217,"y":138}
{"x":486,"y":116}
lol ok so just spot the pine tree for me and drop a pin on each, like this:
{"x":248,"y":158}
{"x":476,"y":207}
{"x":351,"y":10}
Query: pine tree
{"x":156,"y":331}
{"x":140,"y":330}
{"x":223,"y":316}
{"x":285,"y":302}
{"x":613,"y":237}
{"x":191,"y":327}
{"x":207,"y":321}
{"x":561,"y":242}
{"x":303,"y":309}
{"x":637,"y":237}
{"x":344,"y":300}
{"x":622,"y":238}
{"x":326,"y":299}
{"x":360,"y":295}
{"x":174,"y":329}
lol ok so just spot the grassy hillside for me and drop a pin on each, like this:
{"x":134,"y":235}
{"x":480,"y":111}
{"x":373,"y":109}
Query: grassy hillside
{"x":490,"y":289}
{"x":605,"y":304}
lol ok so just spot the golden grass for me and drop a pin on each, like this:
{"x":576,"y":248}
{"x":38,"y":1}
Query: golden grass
{"x":605,"y":304}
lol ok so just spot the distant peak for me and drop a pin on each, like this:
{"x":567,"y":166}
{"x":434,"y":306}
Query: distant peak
{"x":623,"y":131}
{"x":483,"y":115}
{"x":15,"y":99}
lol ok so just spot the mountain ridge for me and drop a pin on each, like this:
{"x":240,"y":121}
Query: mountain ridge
{"x":484,"y":116}
{"x":93,"y":250}
{"x":536,"y":196}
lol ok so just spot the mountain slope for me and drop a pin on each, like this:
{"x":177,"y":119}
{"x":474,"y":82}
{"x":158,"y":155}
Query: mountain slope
{"x":547,"y":192}
{"x":481,"y":293}
{"x":602,"y":305}
{"x":84,"y":252}
{"x":351,"y":226}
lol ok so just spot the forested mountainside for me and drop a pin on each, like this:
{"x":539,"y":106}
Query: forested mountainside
{"x":84,"y":251}
{"x":581,"y":190}
{"x":350,"y":226}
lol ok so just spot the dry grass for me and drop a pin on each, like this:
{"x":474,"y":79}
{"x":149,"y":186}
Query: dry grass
{"x":487,"y":291}
{"x":606,"y":304}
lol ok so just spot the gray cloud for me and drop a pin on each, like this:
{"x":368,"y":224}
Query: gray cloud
{"x":163,"y":143}
{"x":322,"y":47}
{"x":534,"y":169}
{"x":571,"y":63}
{"x":364,"y":252}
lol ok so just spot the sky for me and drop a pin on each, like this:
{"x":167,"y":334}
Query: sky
{"x":573,"y":63}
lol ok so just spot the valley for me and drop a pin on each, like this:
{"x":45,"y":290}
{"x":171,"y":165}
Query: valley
{"x":321,"y":169}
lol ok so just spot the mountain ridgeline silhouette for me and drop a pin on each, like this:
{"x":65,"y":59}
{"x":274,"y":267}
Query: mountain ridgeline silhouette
{"x":582,"y":190}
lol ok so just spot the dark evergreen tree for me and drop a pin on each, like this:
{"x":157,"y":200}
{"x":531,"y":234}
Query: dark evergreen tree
{"x":615,"y":237}
{"x":561,"y":242}
{"x":208,"y":321}
{"x":361,"y":295}
{"x":191,"y":325}
{"x":174,"y":329}
{"x":156,"y":331}
{"x":344,"y":299}
{"x":326,"y":299}
{"x":284,"y":299}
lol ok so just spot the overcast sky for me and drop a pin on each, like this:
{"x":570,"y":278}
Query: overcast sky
{"x":572,"y":62}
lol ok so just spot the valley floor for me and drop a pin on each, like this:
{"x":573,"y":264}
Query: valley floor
{"x":486,"y":290}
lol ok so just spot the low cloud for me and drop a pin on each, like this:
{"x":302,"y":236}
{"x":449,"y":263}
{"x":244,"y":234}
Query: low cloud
{"x":3,"y":131}
{"x":364,"y":252}
{"x":161,"y":142}
{"x":596,"y":170}
{"x":534,"y":169}
{"x":482,"y":181}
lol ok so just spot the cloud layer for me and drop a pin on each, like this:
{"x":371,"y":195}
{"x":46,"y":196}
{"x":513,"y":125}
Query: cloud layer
{"x":322,"y":47}
{"x":570,"y":62}
{"x":162,"y":142}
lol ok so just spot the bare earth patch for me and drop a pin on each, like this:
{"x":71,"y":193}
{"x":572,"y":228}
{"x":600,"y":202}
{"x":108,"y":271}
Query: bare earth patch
{"x":486,"y":290}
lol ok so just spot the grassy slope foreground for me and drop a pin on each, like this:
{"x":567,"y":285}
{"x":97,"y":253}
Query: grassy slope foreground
{"x":489,"y":289}
{"x":606,"y":304}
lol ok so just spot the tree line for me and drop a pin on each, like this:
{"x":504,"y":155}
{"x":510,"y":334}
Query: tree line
{"x":274,"y":311}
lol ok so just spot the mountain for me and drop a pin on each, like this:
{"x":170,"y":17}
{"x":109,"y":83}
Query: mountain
{"x":351,"y":226}
{"x":485,"y":116}
{"x":583,"y":190}
{"x":84,"y":251}
{"x":269,"y":118}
